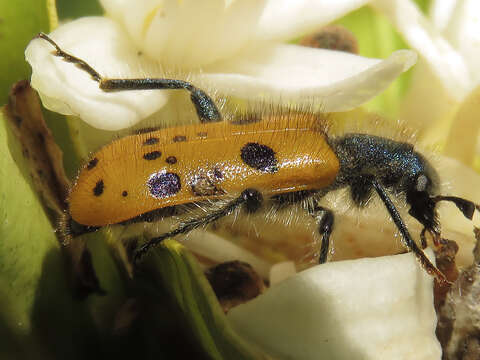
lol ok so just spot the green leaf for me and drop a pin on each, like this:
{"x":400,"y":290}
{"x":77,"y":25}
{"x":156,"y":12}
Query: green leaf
{"x":68,"y":9}
{"x":37,"y":310}
{"x":175,"y":269}
{"x":86,"y":138}
{"x":111,"y":275}
{"x":26,"y":233}
{"x":20,"y":21}
{"x":41,"y":312}
{"x":62,"y":133}
{"x":423,"y":5}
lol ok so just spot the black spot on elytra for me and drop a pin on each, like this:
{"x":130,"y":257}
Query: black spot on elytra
{"x":98,"y":189}
{"x":151,"y":141}
{"x":179,"y":138}
{"x":152,"y":155}
{"x":124,"y":193}
{"x":92,"y":163}
{"x":260,"y":157}
{"x":171,"y":160}
{"x":162,"y":185}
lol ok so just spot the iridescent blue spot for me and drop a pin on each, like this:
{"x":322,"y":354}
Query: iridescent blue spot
{"x":260,"y":157}
{"x":162,"y":185}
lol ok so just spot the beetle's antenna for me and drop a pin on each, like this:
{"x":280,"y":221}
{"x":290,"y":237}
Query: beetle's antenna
{"x":206,"y":109}
{"x":412,"y":246}
{"x":465,"y":206}
{"x":71,"y":59}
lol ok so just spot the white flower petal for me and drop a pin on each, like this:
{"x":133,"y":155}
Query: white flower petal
{"x":281,"y":271}
{"x":188,"y":33}
{"x":458,"y":180}
{"x":192,"y":33}
{"x":334,"y":80}
{"x":427,"y":103}
{"x":446,"y":63}
{"x":440,"y":12}
{"x":114,"y":8}
{"x":379,"y":308}
{"x":285,"y":19}
{"x":463,"y":136}
{"x":216,"y":248}
{"x":463,"y":32}
{"x":67,"y":89}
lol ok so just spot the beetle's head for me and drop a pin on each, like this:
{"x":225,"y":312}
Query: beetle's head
{"x":422,"y":196}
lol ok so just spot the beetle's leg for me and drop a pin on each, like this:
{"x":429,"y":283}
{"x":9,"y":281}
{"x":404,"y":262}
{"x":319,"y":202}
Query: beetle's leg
{"x":324,"y":217}
{"x":423,"y":239}
{"x":411,"y":245}
{"x":325,"y":220}
{"x":206,"y":109}
{"x":283,"y":200}
{"x":250,"y":198}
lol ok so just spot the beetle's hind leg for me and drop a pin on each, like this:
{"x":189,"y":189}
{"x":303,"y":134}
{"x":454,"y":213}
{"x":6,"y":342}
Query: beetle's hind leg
{"x":325,"y":220}
{"x":251,"y":199}
{"x":206,"y":109}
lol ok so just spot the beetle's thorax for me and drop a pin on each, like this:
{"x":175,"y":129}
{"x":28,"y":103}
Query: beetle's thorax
{"x":396,"y":165}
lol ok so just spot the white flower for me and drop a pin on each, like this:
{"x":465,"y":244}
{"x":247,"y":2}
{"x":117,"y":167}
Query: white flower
{"x":377,"y":308}
{"x":443,"y":98}
{"x":236,"y":48}
{"x":231,"y":47}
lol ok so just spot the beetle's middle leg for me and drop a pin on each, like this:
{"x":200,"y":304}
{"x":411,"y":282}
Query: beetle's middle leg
{"x":251,"y":199}
{"x":323,"y":217}
{"x":325,"y":220}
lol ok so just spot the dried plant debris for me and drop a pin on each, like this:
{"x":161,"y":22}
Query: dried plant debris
{"x":445,"y":259}
{"x":41,"y":154}
{"x":234,"y":283}
{"x":41,"y":159}
{"x":459,"y":319}
{"x":332,"y":37}
{"x":476,"y":249}
{"x":84,"y":278}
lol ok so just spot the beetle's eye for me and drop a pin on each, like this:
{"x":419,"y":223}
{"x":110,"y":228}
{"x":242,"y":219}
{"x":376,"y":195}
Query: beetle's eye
{"x":421,"y":183}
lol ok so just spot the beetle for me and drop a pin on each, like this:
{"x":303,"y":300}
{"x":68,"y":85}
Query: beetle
{"x":277,"y":159}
